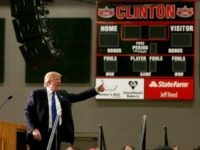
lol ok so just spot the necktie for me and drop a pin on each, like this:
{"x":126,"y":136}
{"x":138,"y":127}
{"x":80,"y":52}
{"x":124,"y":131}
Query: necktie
{"x":53,"y":108}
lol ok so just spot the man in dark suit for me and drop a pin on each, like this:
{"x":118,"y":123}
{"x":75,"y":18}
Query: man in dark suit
{"x":39,"y":117}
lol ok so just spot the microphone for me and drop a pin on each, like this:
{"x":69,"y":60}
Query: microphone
{"x":9,"y":97}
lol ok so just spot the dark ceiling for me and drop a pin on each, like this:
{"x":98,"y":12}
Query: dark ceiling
{"x":4,"y":2}
{"x":57,"y":2}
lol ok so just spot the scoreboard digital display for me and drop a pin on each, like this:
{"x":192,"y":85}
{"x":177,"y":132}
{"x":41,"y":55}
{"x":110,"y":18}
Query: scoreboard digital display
{"x":145,"y":49}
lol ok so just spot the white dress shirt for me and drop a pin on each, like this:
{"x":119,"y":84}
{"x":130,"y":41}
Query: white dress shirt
{"x":58,"y":107}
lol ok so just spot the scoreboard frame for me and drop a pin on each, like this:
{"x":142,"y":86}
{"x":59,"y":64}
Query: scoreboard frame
{"x":145,"y":50}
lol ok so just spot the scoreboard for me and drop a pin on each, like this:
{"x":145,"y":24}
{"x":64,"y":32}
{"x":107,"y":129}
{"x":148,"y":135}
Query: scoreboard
{"x":145,"y":49}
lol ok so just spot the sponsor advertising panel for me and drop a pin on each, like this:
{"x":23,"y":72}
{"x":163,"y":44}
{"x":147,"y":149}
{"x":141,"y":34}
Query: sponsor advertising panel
{"x":122,"y":89}
{"x":179,"y":89}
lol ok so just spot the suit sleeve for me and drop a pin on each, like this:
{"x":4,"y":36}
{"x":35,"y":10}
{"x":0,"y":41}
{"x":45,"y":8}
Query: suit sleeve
{"x":29,"y":113}
{"x":81,"y":96}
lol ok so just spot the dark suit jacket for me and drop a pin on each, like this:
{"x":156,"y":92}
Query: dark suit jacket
{"x":36,"y":111}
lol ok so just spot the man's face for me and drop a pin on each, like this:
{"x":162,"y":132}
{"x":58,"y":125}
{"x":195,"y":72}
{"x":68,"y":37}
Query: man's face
{"x":55,"y":83}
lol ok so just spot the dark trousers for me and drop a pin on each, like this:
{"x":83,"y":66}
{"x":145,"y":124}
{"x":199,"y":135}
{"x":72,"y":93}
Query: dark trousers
{"x":42,"y":145}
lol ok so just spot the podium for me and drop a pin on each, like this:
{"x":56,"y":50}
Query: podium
{"x":12,"y":136}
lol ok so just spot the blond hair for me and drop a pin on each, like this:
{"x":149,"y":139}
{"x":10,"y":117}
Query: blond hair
{"x":49,"y":76}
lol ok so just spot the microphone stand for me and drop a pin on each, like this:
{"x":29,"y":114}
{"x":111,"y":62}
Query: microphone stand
{"x":102,"y":143}
{"x":142,"y":142}
{"x":166,"y":143}
{"x":53,"y":133}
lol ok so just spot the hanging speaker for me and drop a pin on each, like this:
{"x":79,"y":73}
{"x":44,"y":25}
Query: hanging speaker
{"x":23,"y":7}
{"x":36,"y":52}
{"x":27,"y":28}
